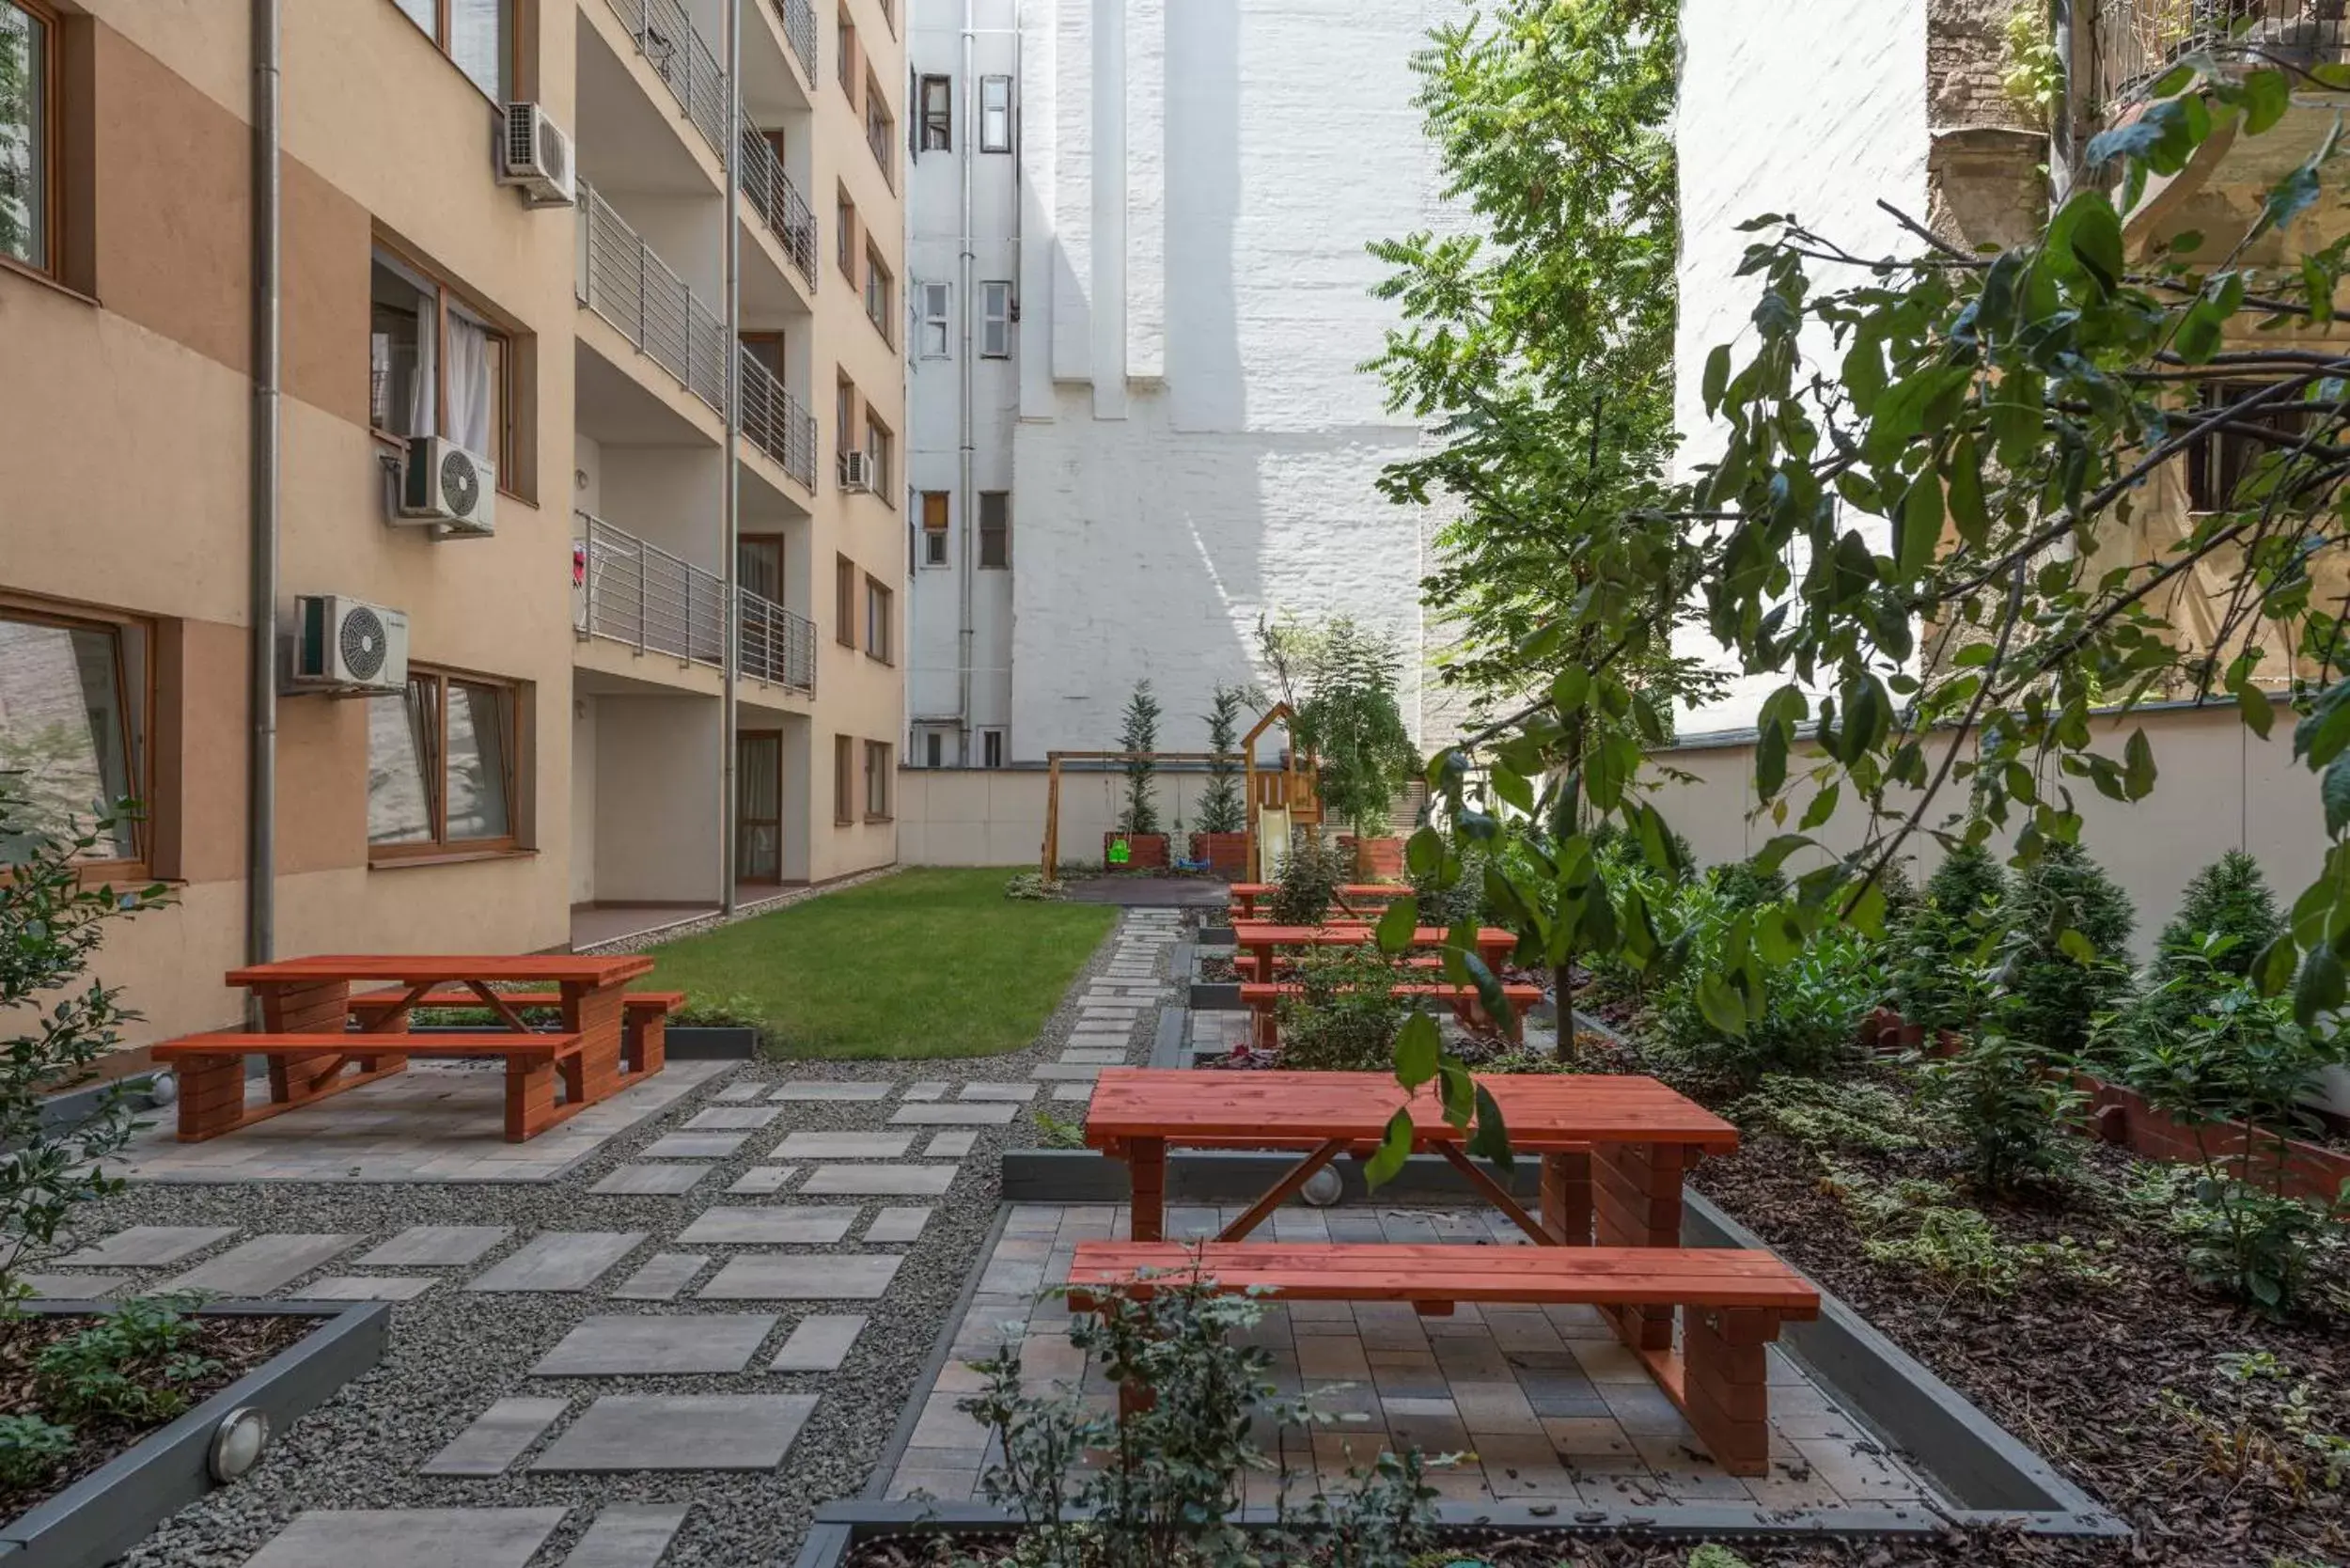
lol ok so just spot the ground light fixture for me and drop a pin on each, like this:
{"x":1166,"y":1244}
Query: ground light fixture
{"x":237,"y":1443}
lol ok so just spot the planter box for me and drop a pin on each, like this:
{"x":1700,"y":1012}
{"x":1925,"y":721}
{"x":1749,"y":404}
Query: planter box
{"x":1144,"y":851}
{"x":1226,"y":854}
{"x":1375,"y":859}
{"x":112,"y":1509}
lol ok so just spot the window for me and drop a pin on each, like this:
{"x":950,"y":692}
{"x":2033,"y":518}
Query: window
{"x":73,"y":717}
{"x":843,"y":780}
{"x":2217,"y":464}
{"x":933,"y":322}
{"x":436,"y":367}
{"x":848,"y":56}
{"x":844,"y":400}
{"x":877,"y":454}
{"x":441,"y":766}
{"x":933,"y":528}
{"x":472,"y":33}
{"x":994,"y":113}
{"x":877,"y":126}
{"x":938,"y":117}
{"x":877,"y":620}
{"x":844,"y":248}
{"x":991,"y":748}
{"x":877,"y":281}
{"x":28,"y":181}
{"x":995,"y":528}
{"x":995,"y":320}
{"x":934,"y":748}
{"x":876,"y":781}
{"x":844,"y":601}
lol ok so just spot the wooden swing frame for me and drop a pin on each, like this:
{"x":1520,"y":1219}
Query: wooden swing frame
{"x":1291,"y":787}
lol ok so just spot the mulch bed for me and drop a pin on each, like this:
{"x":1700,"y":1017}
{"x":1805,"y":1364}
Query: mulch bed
{"x":237,"y":1343}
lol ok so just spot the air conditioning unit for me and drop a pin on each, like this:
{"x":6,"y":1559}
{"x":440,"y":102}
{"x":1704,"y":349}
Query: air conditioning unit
{"x":445,"y":484}
{"x":856,"y":471}
{"x":347,"y":648}
{"x":535,"y":155}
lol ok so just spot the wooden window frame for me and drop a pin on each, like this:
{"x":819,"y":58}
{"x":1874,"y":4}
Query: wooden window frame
{"x":935,"y":538}
{"x":879,"y":448}
{"x":1003,"y":534}
{"x":878,"y":593}
{"x":844,"y":605}
{"x":140,"y":773}
{"x":847,"y":244}
{"x":504,"y":410}
{"x":847,"y":58}
{"x":878,"y":764}
{"x":440,"y":846}
{"x":510,"y":63}
{"x":877,"y":270}
{"x":881,"y":130}
{"x":939,"y":123}
{"x":51,"y":269}
{"x":843,"y":781}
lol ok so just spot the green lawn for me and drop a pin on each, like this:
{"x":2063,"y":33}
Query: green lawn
{"x":927,"y":962}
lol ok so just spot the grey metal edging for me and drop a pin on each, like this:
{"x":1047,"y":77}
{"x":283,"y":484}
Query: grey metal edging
{"x":1214,"y":936}
{"x":902,"y":1434}
{"x":1171,"y":1043}
{"x":106,"y":1512}
{"x":1232,"y":1176}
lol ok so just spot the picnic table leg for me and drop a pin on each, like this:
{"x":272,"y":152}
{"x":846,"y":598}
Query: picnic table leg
{"x":593,"y":1014}
{"x":305,"y":1007}
{"x":1146,"y":1172}
{"x":644,"y":1046}
{"x":212,"y":1096}
{"x":1725,"y":1377}
{"x":1567,"y":1198}
{"x":1636,"y":1190}
{"x":530,"y":1102}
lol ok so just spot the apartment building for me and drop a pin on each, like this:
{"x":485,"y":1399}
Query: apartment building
{"x":551,"y":586}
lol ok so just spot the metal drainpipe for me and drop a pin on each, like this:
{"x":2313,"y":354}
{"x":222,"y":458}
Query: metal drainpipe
{"x":2063,"y":126}
{"x":260,"y":872}
{"x":729,"y":610}
{"x":967,"y":635}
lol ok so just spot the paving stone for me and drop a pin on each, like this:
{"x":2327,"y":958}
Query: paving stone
{"x":816,"y":1089}
{"x":436,"y":1246}
{"x":148,"y":1247}
{"x":950,"y":1145}
{"x":1064,"y":1072}
{"x":638,"y":1345}
{"x":696,"y":1146}
{"x":651,"y":1178}
{"x":727,"y":1226}
{"x":261,"y":1265}
{"x":721,"y":1117}
{"x":929,"y":1088}
{"x":762,"y":1178}
{"x":663,"y":1275}
{"x":954,"y":1116}
{"x":629,"y":1535}
{"x":1073,"y":1093}
{"x":359,"y":1287}
{"x":1019,"y":1093}
{"x":560,"y":1261}
{"x":791,"y":1276}
{"x":735,"y":1093}
{"x":410,"y":1538}
{"x":819,"y":1343}
{"x":888,"y":1180}
{"x":897,"y":1225}
{"x":844,"y":1146}
{"x":1084,"y":1056}
{"x":680,"y":1432}
{"x":72,"y":1287}
{"x":497,"y":1437}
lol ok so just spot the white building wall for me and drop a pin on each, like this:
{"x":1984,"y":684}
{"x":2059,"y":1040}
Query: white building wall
{"x":1817,"y":110}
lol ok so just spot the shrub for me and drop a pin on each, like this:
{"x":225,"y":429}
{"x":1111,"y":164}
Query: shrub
{"x":2228,"y":899}
{"x":132,"y":1365}
{"x":2056,"y":985}
{"x":1345,"y":1017}
{"x":1140,"y":733}
{"x":1968,"y":882}
{"x":1058,"y":1132}
{"x":1930,"y":958}
{"x":1743,"y":885}
{"x":2257,"y":1244}
{"x":30,"y":1448}
{"x":1920,"y":1226}
{"x":2011,"y":1111}
{"x":1824,"y":1113}
{"x":1031,"y":887}
{"x":1341,"y":682}
{"x":1812,"y":1003}
{"x":1310,"y":876}
{"x":1221,"y":809}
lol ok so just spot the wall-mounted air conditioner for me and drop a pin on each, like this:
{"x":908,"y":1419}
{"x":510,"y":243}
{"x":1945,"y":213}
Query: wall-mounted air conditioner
{"x":442,"y":482}
{"x":856,"y":471}
{"x":535,"y":155}
{"x":346,"y":648}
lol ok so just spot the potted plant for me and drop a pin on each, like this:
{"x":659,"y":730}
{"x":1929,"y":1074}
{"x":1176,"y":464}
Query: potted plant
{"x":1222,"y":840}
{"x":1341,"y":683}
{"x":1137,"y":844}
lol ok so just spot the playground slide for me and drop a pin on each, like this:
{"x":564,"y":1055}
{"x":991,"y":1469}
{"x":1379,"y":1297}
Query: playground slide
{"x":1273,"y":839}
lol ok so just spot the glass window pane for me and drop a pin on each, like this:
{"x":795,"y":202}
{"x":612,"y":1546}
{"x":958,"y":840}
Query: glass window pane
{"x":402,"y":733}
{"x":477,"y":762}
{"x":477,"y":41}
{"x":65,"y":739}
{"x":23,"y":136}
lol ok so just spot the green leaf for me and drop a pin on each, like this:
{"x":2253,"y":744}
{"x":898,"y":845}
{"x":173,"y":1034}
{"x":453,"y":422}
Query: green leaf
{"x":2317,"y":282}
{"x":1424,"y":852}
{"x":1457,"y":1091}
{"x":2334,"y":790}
{"x":1571,"y":690}
{"x":1969,"y":510}
{"x":1716,"y":377}
{"x":2079,"y":949}
{"x":1395,"y":925}
{"x":1920,"y":524}
{"x":1394,"y":1148}
{"x":1722,"y":1006}
{"x":2096,"y":238}
{"x":2273,"y":970}
{"x":1770,"y":761}
{"x":1489,"y":992}
{"x":2267,"y":96}
{"x":1491,"y":1141}
{"x":1513,"y":788}
{"x":1822,"y":805}
{"x":2319,"y":989}
{"x":1418,"y":1047}
{"x":2138,"y":766}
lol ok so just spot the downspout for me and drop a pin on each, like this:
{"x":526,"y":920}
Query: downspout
{"x":2064,"y":124}
{"x":728,"y":609}
{"x":967,"y":635}
{"x":260,"y":870}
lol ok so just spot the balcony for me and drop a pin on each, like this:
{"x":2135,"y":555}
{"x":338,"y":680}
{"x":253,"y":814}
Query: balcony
{"x":778,"y":203}
{"x":627,"y":590}
{"x":621,"y":280}
{"x":773,"y":420}
{"x":665,"y":36}
{"x":2139,"y":39}
{"x":799,"y":25}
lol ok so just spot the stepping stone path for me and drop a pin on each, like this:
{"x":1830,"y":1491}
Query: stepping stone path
{"x":793,"y":1200}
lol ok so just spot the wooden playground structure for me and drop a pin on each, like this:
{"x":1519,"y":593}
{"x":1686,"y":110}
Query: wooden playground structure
{"x":1276,"y":800}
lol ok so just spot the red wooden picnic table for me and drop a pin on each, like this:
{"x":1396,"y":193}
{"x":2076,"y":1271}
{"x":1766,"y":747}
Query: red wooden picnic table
{"x":1245,"y":894}
{"x":1613,"y":1146}
{"x":1261,"y":939}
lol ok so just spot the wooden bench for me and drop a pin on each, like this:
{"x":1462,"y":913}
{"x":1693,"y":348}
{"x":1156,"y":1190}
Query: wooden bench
{"x":645,"y":1015}
{"x":1732,"y":1303}
{"x":1264,"y":1000}
{"x":1245,"y":896}
{"x":305,"y":1068}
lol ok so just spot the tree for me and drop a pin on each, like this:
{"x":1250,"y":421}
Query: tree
{"x":2228,"y":898}
{"x":1339,"y":681}
{"x":1220,"y":806}
{"x":1140,"y":734}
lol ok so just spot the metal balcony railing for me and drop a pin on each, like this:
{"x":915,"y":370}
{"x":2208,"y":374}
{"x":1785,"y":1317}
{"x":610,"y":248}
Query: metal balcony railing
{"x":778,"y":202}
{"x":774,"y":420}
{"x":2139,"y":39}
{"x":664,"y":35}
{"x":621,"y":280}
{"x":799,"y":25}
{"x":775,"y":644}
{"x":640,"y":594}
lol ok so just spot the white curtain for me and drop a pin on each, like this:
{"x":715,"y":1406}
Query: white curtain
{"x":423,"y":412}
{"x":468,"y":383}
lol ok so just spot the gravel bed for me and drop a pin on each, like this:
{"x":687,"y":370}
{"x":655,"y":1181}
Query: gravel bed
{"x":453,"y":1352}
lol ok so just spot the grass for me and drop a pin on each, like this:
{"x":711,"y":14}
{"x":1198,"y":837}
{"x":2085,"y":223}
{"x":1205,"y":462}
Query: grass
{"x":928,"y":962}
